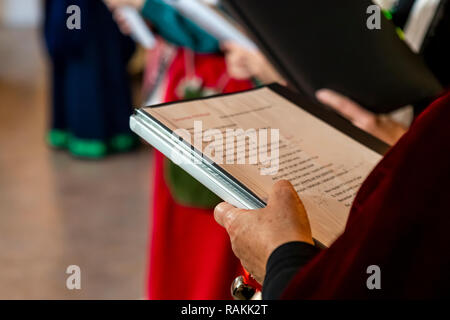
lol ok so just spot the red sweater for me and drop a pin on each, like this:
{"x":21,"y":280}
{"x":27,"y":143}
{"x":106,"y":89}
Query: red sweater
{"x":400,"y":222}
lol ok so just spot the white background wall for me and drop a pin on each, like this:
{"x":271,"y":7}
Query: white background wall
{"x":20,"y":13}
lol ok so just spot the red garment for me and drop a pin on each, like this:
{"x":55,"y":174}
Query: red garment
{"x":155,"y":66}
{"x":210,"y":68}
{"x":190,"y":255}
{"x":400,"y":221}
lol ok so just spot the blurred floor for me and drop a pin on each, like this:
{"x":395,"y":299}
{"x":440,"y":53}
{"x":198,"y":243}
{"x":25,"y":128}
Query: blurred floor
{"x":56,"y":211}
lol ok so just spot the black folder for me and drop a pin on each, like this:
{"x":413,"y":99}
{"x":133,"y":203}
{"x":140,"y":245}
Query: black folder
{"x":318,"y":44}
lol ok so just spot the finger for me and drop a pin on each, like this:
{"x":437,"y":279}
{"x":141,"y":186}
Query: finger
{"x":348,"y":108}
{"x":229,"y":46}
{"x":125,"y":29}
{"x":226,"y":46}
{"x":122,"y":22}
{"x":223,"y":214}
{"x":112,"y":4}
{"x":239,"y":73}
{"x":118,"y":16}
{"x":282,"y":191}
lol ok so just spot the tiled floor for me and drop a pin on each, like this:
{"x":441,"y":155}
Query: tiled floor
{"x":56,"y":211}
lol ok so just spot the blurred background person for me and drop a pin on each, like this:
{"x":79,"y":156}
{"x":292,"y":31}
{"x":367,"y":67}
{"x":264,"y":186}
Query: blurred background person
{"x":55,"y":210}
{"x":424,"y":25}
{"x":244,"y":63}
{"x":190,"y":257}
{"x":91,"y":96}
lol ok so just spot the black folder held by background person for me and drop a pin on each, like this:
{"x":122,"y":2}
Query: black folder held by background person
{"x":323,"y":155}
{"x":326,"y":44}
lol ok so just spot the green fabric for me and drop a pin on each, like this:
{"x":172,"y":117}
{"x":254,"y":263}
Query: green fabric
{"x":193,"y":93}
{"x":400,"y":33}
{"x":177,"y":29}
{"x":186,"y":190}
{"x":123,"y":142}
{"x":91,"y":149}
{"x":57,"y":138}
{"x":387,"y":14}
{"x":257,"y":83}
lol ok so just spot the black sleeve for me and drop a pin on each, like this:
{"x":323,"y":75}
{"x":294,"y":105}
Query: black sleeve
{"x":283,"y":264}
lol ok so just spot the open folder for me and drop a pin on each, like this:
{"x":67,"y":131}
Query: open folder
{"x":238,"y":145}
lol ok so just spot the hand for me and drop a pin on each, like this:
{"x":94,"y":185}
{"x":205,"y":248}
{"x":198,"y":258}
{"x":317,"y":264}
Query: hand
{"x":380,"y":126}
{"x":113,"y":5}
{"x":255,"y":234}
{"x":243,"y":63}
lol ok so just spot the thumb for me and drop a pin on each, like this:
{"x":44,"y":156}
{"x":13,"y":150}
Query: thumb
{"x":226,"y":45}
{"x":225,"y":214}
{"x":348,"y":108}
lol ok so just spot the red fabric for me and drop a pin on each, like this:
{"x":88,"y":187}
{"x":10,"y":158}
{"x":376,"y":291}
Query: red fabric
{"x":400,"y":221}
{"x":190,"y":255}
{"x":154,"y":58}
{"x":211,"y":68}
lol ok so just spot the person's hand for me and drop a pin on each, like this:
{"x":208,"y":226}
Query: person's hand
{"x":255,"y":234}
{"x":243,"y":63}
{"x":113,"y":5}
{"x":380,"y":126}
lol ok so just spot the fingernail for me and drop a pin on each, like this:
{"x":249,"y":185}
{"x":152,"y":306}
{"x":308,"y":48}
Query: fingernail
{"x":322,"y":94}
{"x":220,"y":212}
{"x":222,"y":208}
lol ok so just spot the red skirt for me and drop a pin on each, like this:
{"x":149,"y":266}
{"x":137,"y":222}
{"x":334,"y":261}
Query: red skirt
{"x":190,"y":254}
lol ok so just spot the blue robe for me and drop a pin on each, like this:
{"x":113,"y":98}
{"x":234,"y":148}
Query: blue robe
{"x":91,"y":92}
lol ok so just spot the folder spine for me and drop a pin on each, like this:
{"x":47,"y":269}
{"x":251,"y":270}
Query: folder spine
{"x":200,"y":169}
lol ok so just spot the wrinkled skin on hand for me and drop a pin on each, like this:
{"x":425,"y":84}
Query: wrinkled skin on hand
{"x":255,"y":234}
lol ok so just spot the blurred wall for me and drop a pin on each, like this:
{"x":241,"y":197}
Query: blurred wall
{"x":20,"y":13}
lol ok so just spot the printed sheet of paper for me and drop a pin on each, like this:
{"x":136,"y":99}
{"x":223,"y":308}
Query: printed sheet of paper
{"x":325,"y":166}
